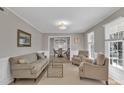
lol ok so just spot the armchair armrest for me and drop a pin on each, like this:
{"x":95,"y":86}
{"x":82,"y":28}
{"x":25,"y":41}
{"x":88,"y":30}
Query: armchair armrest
{"x":22,"y":66}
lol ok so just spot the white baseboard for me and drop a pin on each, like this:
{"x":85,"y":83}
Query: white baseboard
{"x":6,"y":81}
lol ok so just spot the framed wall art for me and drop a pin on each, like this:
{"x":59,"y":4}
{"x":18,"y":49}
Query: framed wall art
{"x":23,"y":39}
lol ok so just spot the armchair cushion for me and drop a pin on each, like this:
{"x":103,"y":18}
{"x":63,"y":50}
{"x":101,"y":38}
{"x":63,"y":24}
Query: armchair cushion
{"x":76,"y":58}
{"x":94,"y":66}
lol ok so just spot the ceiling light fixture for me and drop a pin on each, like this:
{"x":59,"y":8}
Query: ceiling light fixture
{"x":62,"y":24}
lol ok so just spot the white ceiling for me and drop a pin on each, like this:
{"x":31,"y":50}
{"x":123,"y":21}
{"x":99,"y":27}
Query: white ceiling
{"x":81,"y":19}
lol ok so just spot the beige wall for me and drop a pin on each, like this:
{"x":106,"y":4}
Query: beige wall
{"x":9,"y":23}
{"x":45,"y":37}
{"x":99,"y":31}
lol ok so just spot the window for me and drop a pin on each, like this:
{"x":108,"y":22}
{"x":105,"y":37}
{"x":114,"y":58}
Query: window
{"x":114,"y":43}
{"x":91,"y":45}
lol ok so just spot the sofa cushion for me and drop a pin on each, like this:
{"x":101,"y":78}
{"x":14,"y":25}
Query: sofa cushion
{"x":38,"y":65}
{"x":100,"y":59}
{"x":22,"y":66}
{"x":29,"y":57}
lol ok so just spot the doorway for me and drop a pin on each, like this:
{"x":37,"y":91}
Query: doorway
{"x":55,"y":43}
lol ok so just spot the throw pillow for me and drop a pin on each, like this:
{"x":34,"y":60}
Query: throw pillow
{"x":22,"y":61}
{"x":100,"y":59}
{"x":40,"y":56}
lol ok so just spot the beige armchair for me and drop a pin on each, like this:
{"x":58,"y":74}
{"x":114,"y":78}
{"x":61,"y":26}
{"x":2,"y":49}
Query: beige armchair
{"x":77,"y":59}
{"x":98,"y":71}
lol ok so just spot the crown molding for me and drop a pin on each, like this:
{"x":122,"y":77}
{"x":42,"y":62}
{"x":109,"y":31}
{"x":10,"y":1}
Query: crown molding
{"x":26,"y":21}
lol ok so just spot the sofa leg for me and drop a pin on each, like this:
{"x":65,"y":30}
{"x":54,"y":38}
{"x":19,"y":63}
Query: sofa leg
{"x":34,"y":80}
{"x":80,"y":78}
{"x":14,"y":80}
{"x":106,"y":82}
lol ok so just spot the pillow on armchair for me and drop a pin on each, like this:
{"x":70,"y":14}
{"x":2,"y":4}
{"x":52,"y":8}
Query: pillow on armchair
{"x":100,"y":59}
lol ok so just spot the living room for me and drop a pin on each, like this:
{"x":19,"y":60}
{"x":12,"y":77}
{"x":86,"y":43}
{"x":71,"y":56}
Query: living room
{"x":23,"y":33}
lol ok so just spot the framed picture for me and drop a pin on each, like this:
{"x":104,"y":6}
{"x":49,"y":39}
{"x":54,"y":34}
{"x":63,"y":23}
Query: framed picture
{"x":23,"y":39}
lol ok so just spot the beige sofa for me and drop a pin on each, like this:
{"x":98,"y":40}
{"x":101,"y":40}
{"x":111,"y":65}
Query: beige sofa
{"x":28,"y":66}
{"x":77,"y":59}
{"x":98,"y":71}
